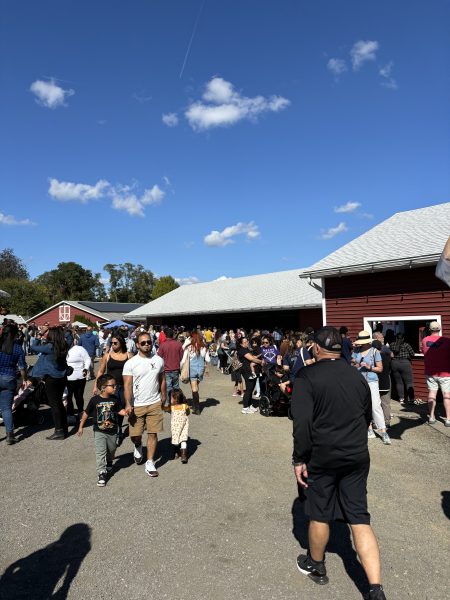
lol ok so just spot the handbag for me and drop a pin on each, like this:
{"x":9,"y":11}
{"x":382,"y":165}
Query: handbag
{"x":235,"y":363}
{"x":184,"y":375}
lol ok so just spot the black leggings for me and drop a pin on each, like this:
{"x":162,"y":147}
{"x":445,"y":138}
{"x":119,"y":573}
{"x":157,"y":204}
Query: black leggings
{"x":54,"y":389}
{"x":223,"y":360}
{"x":75,"y":388}
{"x":249,"y":387}
{"x":403,"y":377}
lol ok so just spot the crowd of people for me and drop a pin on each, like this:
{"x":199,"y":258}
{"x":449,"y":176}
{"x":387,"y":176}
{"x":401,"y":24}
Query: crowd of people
{"x":139,"y":374}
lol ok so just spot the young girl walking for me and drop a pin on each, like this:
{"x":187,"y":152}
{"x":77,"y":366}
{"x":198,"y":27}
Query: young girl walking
{"x":179,"y":424}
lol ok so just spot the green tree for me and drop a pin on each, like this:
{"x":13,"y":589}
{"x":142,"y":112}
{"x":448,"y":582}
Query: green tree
{"x":129,"y":283}
{"x":12,"y":267}
{"x":71,"y":281}
{"x":27,"y":297}
{"x":164,"y":285}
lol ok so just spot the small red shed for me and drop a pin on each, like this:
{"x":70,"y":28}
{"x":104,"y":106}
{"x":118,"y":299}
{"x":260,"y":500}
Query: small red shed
{"x":387,"y":275}
{"x":66,"y":312}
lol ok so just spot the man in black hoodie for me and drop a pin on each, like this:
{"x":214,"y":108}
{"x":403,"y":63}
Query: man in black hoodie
{"x":331,"y":408}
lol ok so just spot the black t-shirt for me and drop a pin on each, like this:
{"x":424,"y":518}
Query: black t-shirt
{"x":331,"y":407}
{"x":104,"y":413}
{"x":245,"y":369}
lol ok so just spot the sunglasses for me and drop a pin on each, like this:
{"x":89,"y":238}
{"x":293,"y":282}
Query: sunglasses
{"x":145,"y":343}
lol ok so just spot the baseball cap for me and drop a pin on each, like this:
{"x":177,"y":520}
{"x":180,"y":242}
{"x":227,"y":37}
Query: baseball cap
{"x":329,"y":339}
{"x":434,"y":326}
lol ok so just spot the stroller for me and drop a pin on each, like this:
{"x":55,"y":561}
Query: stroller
{"x":25,"y":407}
{"x":230,"y":361}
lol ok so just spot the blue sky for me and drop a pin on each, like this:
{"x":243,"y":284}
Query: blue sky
{"x":226,"y":148}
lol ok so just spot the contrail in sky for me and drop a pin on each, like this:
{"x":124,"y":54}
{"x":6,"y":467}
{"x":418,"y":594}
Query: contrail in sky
{"x":192,"y":38}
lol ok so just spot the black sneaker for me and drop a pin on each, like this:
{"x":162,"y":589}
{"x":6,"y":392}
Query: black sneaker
{"x":376,"y":593}
{"x":101,"y":480}
{"x":313,"y":569}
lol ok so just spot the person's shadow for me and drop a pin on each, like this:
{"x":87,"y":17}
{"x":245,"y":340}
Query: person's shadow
{"x":340,"y":543}
{"x":36,"y":576}
{"x":208,"y":402}
{"x":166,"y":452}
{"x":446,"y":503}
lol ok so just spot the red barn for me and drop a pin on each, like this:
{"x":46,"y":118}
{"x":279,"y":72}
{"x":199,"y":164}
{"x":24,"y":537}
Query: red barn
{"x":67,"y":311}
{"x":387,"y":275}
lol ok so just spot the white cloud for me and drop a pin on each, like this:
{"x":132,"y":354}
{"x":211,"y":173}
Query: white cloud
{"x":333,"y":231}
{"x":187,"y":280}
{"x":222,"y":278}
{"x":347,"y":208}
{"x":222,"y":106}
{"x":362,"y":52}
{"x":10,"y":220}
{"x":167,"y":181}
{"x":170,"y":119}
{"x":49,"y":94}
{"x":66,"y":191}
{"x":122,"y":197}
{"x":224,"y":237}
{"x":386,"y":74}
{"x":141,"y":97}
{"x":337,"y":66}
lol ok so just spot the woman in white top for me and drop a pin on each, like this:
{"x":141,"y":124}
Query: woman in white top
{"x":197,"y":354}
{"x":80,"y":361}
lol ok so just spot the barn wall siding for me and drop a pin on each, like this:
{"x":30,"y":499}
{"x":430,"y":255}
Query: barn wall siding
{"x":394,"y":293}
{"x":52,"y":317}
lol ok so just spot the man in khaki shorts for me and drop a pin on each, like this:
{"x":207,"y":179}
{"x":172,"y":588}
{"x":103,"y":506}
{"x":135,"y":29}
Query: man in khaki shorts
{"x":145,"y":392}
{"x":436,"y":353}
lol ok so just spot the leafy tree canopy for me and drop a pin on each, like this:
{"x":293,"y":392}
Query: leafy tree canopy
{"x":11,"y":267}
{"x":27,"y":297}
{"x":164,"y":285}
{"x":71,"y":281}
{"x":129,"y":283}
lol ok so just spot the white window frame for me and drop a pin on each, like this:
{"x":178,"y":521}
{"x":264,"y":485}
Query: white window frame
{"x":368,"y":320}
{"x":64,"y":313}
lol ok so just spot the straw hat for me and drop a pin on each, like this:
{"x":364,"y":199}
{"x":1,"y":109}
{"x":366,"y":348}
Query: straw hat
{"x":364,"y":337}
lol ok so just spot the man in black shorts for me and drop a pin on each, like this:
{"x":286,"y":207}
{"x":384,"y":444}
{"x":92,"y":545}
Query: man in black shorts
{"x":331,"y":408}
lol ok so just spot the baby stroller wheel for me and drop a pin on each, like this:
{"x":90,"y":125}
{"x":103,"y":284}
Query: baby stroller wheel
{"x":264,"y":406}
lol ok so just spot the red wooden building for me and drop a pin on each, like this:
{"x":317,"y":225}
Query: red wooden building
{"x":67,"y":311}
{"x":387,"y":275}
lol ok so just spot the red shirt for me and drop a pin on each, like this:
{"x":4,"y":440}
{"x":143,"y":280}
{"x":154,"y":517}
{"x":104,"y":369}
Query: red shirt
{"x":436,"y":351}
{"x":172,"y":353}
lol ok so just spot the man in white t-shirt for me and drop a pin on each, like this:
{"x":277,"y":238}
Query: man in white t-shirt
{"x":145,"y":393}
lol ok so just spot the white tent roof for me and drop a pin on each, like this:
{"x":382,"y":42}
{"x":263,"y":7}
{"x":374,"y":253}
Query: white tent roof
{"x":283,"y":290}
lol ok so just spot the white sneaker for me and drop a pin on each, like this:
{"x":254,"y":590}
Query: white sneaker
{"x":245,"y":411}
{"x":138,"y":455}
{"x":371,"y":434}
{"x":252,"y":410}
{"x":150,"y":469}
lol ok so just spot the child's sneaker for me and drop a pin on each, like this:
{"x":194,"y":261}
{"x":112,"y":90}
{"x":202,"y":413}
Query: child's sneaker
{"x":101,"y":482}
{"x":386,"y":439}
{"x":138,"y":455}
{"x":150,"y":469}
{"x":313,"y":569}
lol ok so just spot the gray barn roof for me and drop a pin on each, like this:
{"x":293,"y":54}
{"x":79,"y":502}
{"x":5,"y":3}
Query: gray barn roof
{"x":283,"y":290}
{"x":407,"y":239}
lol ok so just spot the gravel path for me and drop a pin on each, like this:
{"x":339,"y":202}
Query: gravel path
{"x":225,"y":526}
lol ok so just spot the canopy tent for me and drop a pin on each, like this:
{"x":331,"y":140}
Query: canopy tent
{"x":79,"y":324}
{"x":118,"y":324}
{"x":16,"y":318}
{"x":4,"y":294}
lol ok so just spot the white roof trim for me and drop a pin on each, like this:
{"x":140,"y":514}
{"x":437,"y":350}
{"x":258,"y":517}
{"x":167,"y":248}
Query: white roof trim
{"x":70,"y":303}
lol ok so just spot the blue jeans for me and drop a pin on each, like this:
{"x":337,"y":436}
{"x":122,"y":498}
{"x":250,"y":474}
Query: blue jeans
{"x":8,"y":386}
{"x":172,"y":382}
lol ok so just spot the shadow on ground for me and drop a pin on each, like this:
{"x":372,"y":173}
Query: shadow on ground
{"x":340,"y":543}
{"x":36,"y":576}
{"x":446,"y":503}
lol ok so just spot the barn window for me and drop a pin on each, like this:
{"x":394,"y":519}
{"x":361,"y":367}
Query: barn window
{"x":64,"y":313}
{"x":414,"y":328}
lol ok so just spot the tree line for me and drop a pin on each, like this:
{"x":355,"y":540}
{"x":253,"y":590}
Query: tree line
{"x":71,"y":281}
